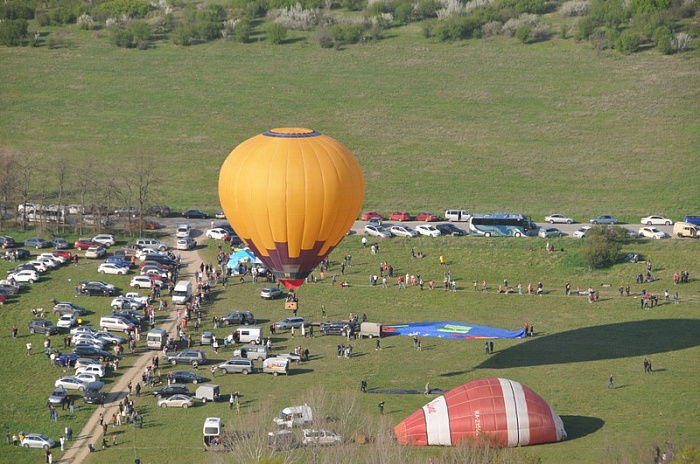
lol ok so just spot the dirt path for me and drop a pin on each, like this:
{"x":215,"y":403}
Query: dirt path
{"x":92,"y":432}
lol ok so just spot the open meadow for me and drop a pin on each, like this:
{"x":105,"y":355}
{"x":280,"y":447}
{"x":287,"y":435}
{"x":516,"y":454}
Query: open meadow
{"x":487,"y":125}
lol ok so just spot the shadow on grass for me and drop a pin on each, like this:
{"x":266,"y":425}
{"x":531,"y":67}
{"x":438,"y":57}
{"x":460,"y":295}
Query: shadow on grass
{"x":580,"y":426}
{"x":612,"y":341}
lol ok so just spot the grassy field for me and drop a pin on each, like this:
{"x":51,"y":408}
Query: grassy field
{"x":487,"y":125}
{"x":577,"y":347}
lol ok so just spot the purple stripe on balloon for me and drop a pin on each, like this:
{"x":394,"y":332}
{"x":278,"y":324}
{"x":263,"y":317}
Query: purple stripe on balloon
{"x":284,"y":267}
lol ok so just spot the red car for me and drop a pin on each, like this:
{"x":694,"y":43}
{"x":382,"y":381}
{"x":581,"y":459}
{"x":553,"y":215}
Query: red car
{"x":367,"y":215}
{"x":85,"y":243}
{"x":146,"y":225}
{"x":63,"y":254}
{"x":400,"y":216}
{"x":427,"y":217}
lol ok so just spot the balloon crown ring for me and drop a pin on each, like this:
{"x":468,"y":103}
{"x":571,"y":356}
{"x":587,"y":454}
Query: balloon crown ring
{"x":291,"y":133}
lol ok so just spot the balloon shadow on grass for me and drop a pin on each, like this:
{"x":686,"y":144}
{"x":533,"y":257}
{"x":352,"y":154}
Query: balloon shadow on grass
{"x":580,"y":426}
{"x":611,"y":341}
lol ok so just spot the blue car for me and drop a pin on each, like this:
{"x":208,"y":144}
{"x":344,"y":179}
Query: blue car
{"x":604,"y":219}
{"x":119,"y":261}
{"x":67,"y":359}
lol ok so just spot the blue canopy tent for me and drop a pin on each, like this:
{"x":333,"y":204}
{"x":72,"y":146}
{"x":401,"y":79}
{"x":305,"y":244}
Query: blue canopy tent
{"x":241,"y":256}
{"x":453,"y":330}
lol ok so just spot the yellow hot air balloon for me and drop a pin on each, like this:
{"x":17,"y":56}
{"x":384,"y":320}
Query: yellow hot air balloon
{"x":291,"y":194}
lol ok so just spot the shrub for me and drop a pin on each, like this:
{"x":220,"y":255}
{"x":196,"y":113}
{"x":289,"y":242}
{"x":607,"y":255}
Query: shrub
{"x":141,"y":31}
{"x":645,"y":24}
{"x":564,"y":30}
{"x":16,"y":10}
{"x":575,"y":8}
{"x":681,"y":41}
{"x":347,"y":33}
{"x":647,"y":6}
{"x":586,"y":27}
{"x":627,"y":42}
{"x":530,"y":6}
{"x":296,"y":18}
{"x":383,"y":20}
{"x":182,"y":34}
{"x":603,"y":244}
{"x":491,"y":28}
{"x":353,"y":5}
{"x":13,"y":32}
{"x":457,"y":27}
{"x":86,"y":22}
{"x":512,"y":25}
{"x":540,"y":32}
{"x":428,"y":8}
{"x":130,"y":8}
{"x":404,"y":13}
{"x":604,"y":38}
{"x":276,"y":33}
{"x":523,"y":33}
{"x":242,"y":32}
{"x":662,"y":39}
{"x":427,"y":28}
{"x":324,"y":37}
{"x":122,"y":38}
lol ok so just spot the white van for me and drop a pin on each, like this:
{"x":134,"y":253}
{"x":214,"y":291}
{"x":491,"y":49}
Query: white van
{"x":457,"y":215}
{"x":115,"y":323}
{"x":156,"y":339}
{"x":685,"y":229}
{"x":249,"y":334}
{"x":294,"y":416}
{"x":212,"y":431}
{"x":276,"y":366}
{"x":182,"y":292}
{"x":252,"y":352}
{"x":320,"y":437}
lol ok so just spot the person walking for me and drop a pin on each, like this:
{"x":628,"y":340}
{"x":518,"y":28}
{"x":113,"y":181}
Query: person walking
{"x":14,"y":332}
{"x":381,"y":408}
{"x":230,"y":402}
{"x":611,"y":386}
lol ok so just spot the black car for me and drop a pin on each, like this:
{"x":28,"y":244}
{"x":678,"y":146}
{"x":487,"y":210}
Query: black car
{"x":336,"y":328}
{"x":133,"y":314}
{"x":195,"y":213}
{"x":42,"y":326}
{"x":69,"y":308}
{"x":127,"y":316}
{"x":21,"y":253}
{"x":9,"y":289}
{"x":67,"y":359}
{"x":161,"y":260}
{"x":450,"y":229}
{"x":97,"y":288}
{"x":170,"y":390}
{"x":92,"y":352}
{"x":186,"y":377}
{"x":238,"y":317}
{"x":6,"y":241}
{"x":158,"y":210}
{"x":22,"y":267}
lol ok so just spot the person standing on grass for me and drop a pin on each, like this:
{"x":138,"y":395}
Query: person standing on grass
{"x":611,"y":386}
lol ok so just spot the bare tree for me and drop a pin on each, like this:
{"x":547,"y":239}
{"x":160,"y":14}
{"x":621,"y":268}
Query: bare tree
{"x":8,"y":181}
{"x":25,"y":168}
{"x":61,"y":172}
{"x":84,"y":183}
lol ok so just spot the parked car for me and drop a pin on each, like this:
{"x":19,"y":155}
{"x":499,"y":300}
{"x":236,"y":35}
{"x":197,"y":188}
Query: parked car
{"x":656,"y":221}
{"x":37,"y":440}
{"x":367,"y":215}
{"x":37,"y":242}
{"x":92,"y":352}
{"x":271,"y":293}
{"x":84,"y":244}
{"x":97,"y":287}
{"x":83,"y":329}
{"x":220,"y":214}
{"x":604,"y":219}
{"x":377,"y":231}
{"x":42,"y":326}
{"x":546,"y":232}
{"x":124,"y":302}
{"x":144,"y":225}
{"x":237,"y":366}
{"x":95,"y":252}
{"x":374,"y":221}
{"x":336,"y":328}
{"x":24,"y":276}
{"x":400,"y":216}
{"x":580,"y":233}
{"x":195,"y":213}
{"x":105,"y":239}
{"x":67,"y":321}
{"x":558,"y":219}
{"x":427,"y":217}
{"x":217,"y":233}
{"x":110,"y":268}
{"x":70,"y":383}
{"x":188,"y":357}
{"x":289,"y":322}
{"x":144,"y":282}
{"x":321,"y":437}
{"x":58,"y":395}
{"x":170,"y":390}
{"x":21,"y":253}
{"x":127,"y":211}
{"x":67,"y":307}
{"x":652,"y":232}
{"x":186,"y":377}
{"x":60,"y":243}
{"x":183,"y":230}
{"x":402,"y":231}
{"x":143,"y":299}
{"x":120,"y":261}
{"x":176,"y":401}
{"x":450,"y":229}
{"x":93,"y":368}
{"x":158,"y":210}
{"x":6,"y":241}
{"x":238,"y":318}
{"x":67,"y":359}
{"x":430,"y":231}
{"x":186,"y":243}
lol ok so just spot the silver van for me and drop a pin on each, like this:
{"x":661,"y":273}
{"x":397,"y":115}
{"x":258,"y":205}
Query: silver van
{"x":457,"y":215}
{"x":115,"y":323}
{"x":259,"y":352}
{"x":237,"y":366}
{"x":151,"y":243}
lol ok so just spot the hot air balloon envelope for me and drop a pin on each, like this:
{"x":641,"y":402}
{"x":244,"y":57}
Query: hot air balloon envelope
{"x":291,"y":194}
{"x":499,"y":411}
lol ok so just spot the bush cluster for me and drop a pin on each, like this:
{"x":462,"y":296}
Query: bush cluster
{"x":575,"y":8}
{"x":13,"y":32}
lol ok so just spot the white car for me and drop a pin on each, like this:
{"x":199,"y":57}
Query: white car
{"x":37,"y":440}
{"x":87,"y":378}
{"x":109,"y":338}
{"x":59,"y":259}
{"x":377,"y":231}
{"x":546,"y":232}
{"x":144,"y":281}
{"x":217,"y":233}
{"x":95,"y":252}
{"x":183,"y":230}
{"x":39,"y":266}
{"x":25,"y":276}
{"x":71,"y":382}
{"x":143,"y":299}
{"x":220,"y":215}
{"x":402,"y":231}
{"x":83,"y":329}
{"x":186,"y":243}
{"x":428,"y":230}
{"x":105,"y":239}
{"x":97,"y":369}
{"x":49,"y":263}
{"x":651,"y":232}
{"x":656,"y":221}
{"x":109,"y":268}
{"x":67,"y":321}
{"x":558,"y":219}
{"x":124,"y":302}
{"x":581,"y":232}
